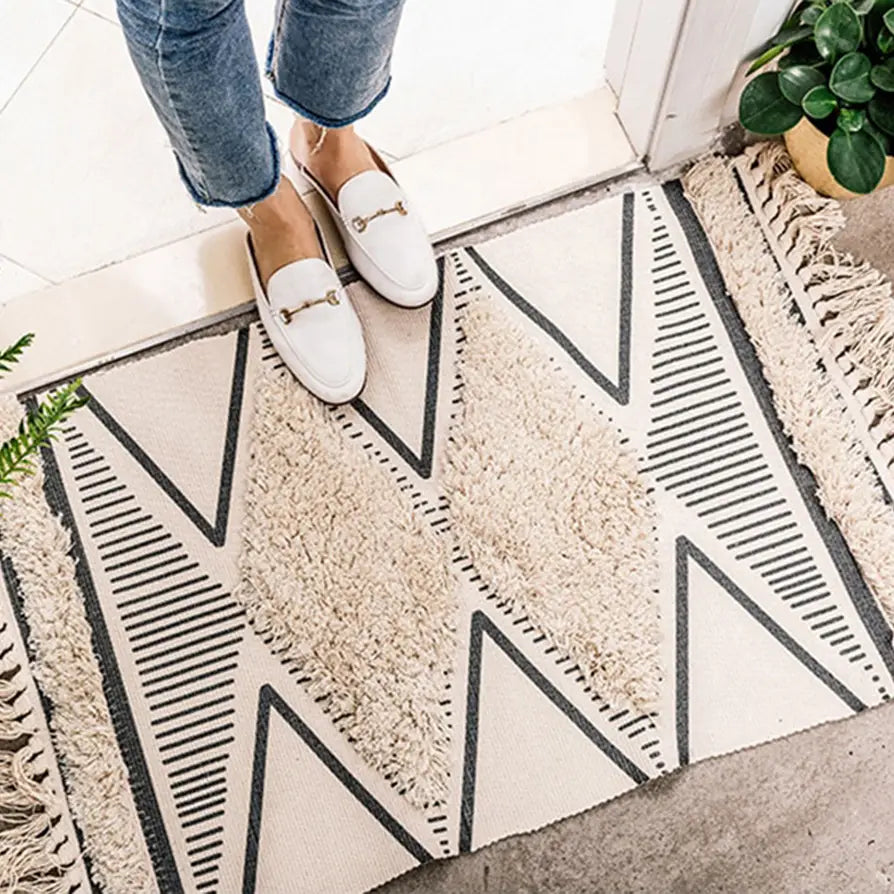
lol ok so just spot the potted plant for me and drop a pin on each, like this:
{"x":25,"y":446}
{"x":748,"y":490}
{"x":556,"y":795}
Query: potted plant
{"x":832,"y":94}
{"x":38,"y":428}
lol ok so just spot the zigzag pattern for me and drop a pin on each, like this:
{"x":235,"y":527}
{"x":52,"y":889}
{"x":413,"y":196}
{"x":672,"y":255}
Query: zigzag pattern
{"x":248,"y":784}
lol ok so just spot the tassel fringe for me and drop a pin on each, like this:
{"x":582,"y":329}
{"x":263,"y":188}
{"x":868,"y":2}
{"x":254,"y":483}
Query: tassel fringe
{"x":33,"y":858}
{"x":846,"y":303}
{"x":65,"y":667}
{"x":811,"y":396}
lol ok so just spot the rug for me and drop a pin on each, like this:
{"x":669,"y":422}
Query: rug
{"x":576,"y":533}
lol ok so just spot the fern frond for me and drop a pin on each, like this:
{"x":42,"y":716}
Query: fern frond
{"x":11,"y":354}
{"x":37,"y":429}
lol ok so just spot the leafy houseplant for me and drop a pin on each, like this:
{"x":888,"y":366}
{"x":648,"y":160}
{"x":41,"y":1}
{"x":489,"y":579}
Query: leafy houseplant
{"x":38,"y":428}
{"x":836,"y":69}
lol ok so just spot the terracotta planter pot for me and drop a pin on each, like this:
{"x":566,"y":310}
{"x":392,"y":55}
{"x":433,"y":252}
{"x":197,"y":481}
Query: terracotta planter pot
{"x":807,"y":146}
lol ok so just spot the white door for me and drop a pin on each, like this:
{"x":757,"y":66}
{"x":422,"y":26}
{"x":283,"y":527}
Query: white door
{"x":677,"y":66}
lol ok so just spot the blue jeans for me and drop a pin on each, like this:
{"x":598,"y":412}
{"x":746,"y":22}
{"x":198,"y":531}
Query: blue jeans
{"x":328,"y":59}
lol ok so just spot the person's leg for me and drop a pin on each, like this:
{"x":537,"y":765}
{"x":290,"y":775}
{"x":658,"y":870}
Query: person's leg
{"x":330,"y":60}
{"x":197,"y":64}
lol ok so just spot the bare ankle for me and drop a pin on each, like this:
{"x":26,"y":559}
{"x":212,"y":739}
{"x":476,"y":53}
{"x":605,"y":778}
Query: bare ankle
{"x":280,"y":206}
{"x":282,"y":230}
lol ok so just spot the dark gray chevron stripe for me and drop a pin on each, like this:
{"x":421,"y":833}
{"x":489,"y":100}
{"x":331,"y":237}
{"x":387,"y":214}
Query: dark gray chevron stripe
{"x":700,"y":448}
{"x":624,"y":721}
{"x":184,"y":631}
{"x":620,"y":390}
{"x":421,"y":464}
{"x":687,"y":551}
{"x":481,"y":625}
{"x":862,"y":599}
{"x":148,"y":811}
{"x":215,"y":531}
{"x":270,"y":700}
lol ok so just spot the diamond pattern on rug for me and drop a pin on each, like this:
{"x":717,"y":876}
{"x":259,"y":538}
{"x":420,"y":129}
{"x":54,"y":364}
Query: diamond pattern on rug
{"x":570,"y":547}
{"x":349,"y":586}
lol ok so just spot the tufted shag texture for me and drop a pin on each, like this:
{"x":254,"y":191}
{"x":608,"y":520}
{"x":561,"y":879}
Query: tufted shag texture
{"x":347,"y":584}
{"x":551,"y":509}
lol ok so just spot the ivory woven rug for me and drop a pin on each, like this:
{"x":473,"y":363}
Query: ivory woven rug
{"x":593,"y":518}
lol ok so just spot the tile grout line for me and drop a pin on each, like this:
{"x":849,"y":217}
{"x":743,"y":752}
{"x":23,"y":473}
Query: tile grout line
{"x":38,"y":60}
{"x":27,"y":269}
{"x":97,"y":15}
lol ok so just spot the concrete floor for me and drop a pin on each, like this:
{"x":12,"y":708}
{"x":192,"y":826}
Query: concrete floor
{"x":869,"y":233}
{"x":811,"y":813}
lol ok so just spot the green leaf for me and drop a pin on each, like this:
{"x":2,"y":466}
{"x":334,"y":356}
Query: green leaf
{"x":802,"y":53}
{"x":850,"y":78}
{"x":820,"y":102}
{"x":777,"y":44}
{"x":796,"y":81}
{"x":881,"y":138}
{"x":863,"y":7}
{"x":763,"y":109}
{"x":838,"y":31}
{"x":39,"y":428}
{"x":888,"y":19}
{"x":881,"y":111}
{"x":765,"y":57}
{"x":810,"y":15}
{"x":851,"y":120}
{"x":883,"y":75}
{"x":856,"y":160}
{"x":12,"y":354}
{"x":799,"y":10}
{"x":885,"y":41}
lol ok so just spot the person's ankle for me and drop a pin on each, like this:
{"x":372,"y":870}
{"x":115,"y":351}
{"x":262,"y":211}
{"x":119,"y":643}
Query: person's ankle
{"x":282,"y":230}
{"x":281,"y":207}
{"x":333,"y":155}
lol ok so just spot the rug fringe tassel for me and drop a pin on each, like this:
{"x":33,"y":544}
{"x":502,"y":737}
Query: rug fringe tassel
{"x":32,"y":861}
{"x":852,"y":300}
{"x":814,"y":413}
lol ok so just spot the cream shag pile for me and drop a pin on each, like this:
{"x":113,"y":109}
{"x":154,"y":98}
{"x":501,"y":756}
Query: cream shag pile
{"x":550,"y":507}
{"x":343,"y":581}
{"x":40,"y":567}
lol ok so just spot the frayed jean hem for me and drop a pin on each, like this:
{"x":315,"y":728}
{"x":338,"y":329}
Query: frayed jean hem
{"x":322,"y":120}
{"x":210,"y":202}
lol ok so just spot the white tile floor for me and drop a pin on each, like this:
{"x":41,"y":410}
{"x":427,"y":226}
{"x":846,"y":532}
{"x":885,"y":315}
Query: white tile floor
{"x":100,"y":247}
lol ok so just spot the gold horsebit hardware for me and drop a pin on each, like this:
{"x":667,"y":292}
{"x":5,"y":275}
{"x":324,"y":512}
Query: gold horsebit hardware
{"x":287,"y":313}
{"x":361,"y":223}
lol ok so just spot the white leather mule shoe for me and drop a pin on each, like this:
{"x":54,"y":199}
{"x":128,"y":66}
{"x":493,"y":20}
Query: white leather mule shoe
{"x":383,"y":235}
{"x":313,"y":326}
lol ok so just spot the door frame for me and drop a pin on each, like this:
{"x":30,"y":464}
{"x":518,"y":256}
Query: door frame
{"x":676,"y":66}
